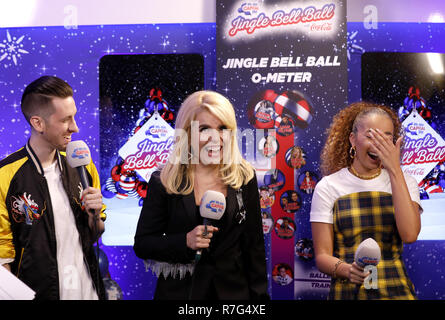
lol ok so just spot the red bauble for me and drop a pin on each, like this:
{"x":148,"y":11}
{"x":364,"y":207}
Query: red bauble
{"x":141,"y":189}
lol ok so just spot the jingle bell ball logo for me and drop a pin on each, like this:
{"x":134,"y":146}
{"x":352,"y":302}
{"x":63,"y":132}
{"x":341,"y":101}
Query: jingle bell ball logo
{"x":149,"y":148}
{"x":423,"y":147}
{"x":249,"y":18}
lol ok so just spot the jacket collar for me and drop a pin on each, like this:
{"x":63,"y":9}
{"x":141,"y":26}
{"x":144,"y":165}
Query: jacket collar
{"x":231,"y":204}
{"x":32,"y":155}
{"x":190,"y":206}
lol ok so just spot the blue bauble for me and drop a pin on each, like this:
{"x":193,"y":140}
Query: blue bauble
{"x":107,"y":193}
{"x":119,"y":188}
{"x":103,"y":262}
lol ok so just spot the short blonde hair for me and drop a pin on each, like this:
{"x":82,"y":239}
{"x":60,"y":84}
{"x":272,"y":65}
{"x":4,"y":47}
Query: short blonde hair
{"x":176,"y":176}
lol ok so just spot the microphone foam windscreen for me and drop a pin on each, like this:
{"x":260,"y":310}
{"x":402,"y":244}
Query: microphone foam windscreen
{"x":213,"y":205}
{"x":78,"y":154}
{"x":367,"y":253}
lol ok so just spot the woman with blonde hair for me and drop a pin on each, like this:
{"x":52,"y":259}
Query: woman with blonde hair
{"x":170,"y":230}
{"x":364,"y":194}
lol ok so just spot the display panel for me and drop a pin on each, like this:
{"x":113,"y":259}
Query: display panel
{"x":135,"y":142}
{"x":413,"y":84}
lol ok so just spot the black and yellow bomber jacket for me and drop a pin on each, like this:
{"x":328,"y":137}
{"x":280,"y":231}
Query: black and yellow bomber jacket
{"x":27,"y":233}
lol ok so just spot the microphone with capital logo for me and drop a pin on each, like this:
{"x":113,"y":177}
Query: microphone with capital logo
{"x":367,"y":254}
{"x":78,"y":156}
{"x":213,"y":205}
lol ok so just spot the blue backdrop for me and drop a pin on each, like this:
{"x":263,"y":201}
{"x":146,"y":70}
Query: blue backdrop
{"x":74,"y":55}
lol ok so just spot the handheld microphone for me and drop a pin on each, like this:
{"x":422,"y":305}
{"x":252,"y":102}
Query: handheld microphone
{"x":78,"y":156}
{"x":213,"y":205}
{"x":367,"y":253}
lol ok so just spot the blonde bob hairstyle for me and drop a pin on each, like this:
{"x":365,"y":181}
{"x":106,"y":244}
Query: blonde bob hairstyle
{"x":178,"y":176}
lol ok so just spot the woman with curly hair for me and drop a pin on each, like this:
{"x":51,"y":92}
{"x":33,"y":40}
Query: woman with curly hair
{"x":364,"y":194}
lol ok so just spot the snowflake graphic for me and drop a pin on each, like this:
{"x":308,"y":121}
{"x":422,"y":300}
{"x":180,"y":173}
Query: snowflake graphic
{"x":353,"y":47}
{"x":12,"y":48}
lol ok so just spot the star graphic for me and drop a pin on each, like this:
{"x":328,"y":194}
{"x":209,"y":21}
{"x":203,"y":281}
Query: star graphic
{"x":353,"y":47}
{"x":165,"y":43}
{"x":11,"y":48}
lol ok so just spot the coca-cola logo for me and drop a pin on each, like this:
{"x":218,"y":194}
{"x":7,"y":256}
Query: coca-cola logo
{"x":327,"y":26}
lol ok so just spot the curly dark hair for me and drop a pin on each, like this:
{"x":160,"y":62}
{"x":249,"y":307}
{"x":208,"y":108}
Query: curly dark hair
{"x":335,"y":153}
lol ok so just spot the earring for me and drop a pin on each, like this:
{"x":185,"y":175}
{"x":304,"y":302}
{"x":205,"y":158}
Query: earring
{"x":352,"y":152}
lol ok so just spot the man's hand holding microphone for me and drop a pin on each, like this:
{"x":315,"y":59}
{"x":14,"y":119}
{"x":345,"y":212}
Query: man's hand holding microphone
{"x":78,"y":156}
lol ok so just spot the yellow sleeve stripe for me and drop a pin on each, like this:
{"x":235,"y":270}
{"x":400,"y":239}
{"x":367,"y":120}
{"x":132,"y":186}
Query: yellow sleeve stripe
{"x":7,"y":173}
{"x":91,"y":168}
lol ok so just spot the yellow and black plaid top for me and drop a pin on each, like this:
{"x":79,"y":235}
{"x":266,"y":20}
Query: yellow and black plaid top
{"x":362,"y":215}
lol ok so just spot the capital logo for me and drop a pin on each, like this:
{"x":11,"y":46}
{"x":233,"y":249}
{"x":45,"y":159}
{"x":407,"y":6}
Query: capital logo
{"x":215,"y":206}
{"x":415,"y":128}
{"x":80,"y":153}
{"x":249,"y":8}
{"x":156,"y":131}
{"x":369,"y":261}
